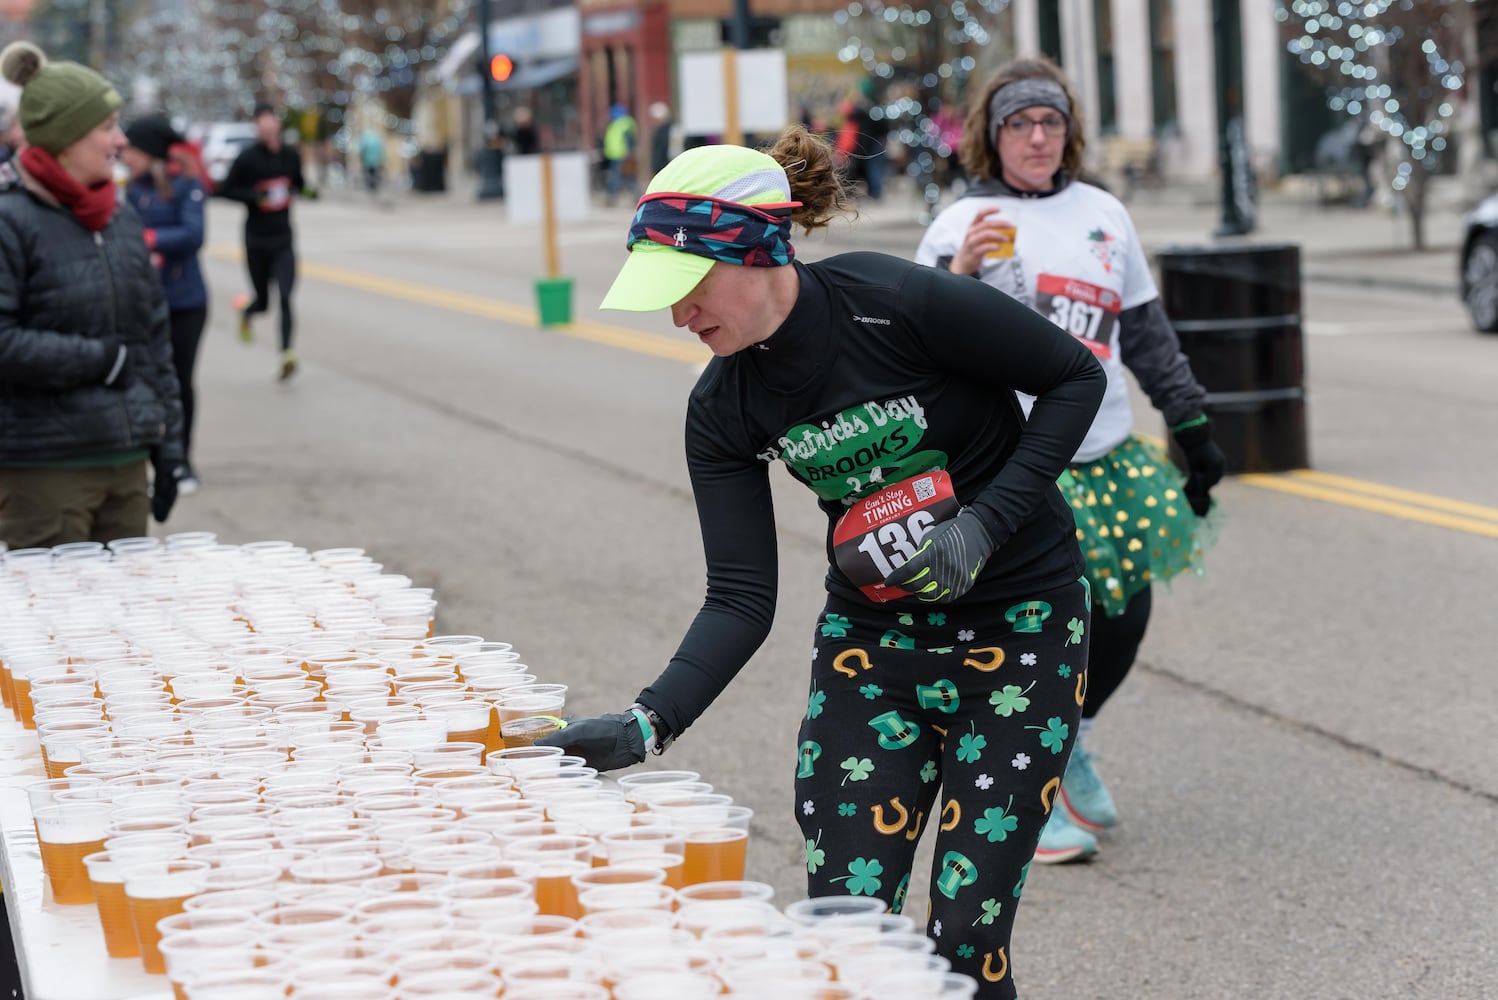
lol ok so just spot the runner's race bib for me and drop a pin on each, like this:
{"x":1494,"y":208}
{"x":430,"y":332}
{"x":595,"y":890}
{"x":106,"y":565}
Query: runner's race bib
{"x":1088,"y":312}
{"x":882,"y":531}
{"x":275,"y":194}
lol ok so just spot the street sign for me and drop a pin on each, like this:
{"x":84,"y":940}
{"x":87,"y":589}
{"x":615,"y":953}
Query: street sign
{"x":761,"y":85}
{"x":524,"y":199}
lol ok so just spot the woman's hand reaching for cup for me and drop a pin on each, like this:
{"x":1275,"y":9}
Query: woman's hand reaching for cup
{"x":990,"y":232}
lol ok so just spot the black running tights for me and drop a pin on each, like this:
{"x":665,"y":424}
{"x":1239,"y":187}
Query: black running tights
{"x":1115,"y":644}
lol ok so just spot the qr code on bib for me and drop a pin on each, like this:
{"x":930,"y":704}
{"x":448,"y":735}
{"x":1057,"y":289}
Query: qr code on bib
{"x":925,"y":489}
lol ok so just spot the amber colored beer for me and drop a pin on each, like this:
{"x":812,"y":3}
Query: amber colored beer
{"x":1006,"y":234}
{"x":64,"y":866}
{"x":525,"y":732}
{"x":144,"y":913}
{"x":557,"y":896}
{"x":715,"y":856}
{"x":470,"y":736}
{"x":114,"y":915}
{"x":7,"y":685}
{"x":25,"y":711}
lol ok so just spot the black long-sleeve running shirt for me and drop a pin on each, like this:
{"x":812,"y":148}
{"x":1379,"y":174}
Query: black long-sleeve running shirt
{"x":890,"y":366}
{"x":265,"y":182}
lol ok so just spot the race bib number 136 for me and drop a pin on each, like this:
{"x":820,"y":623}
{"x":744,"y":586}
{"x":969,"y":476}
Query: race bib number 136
{"x":884,"y":529}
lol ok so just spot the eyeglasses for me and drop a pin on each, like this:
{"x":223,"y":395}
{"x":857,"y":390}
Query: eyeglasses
{"x":1021,"y":127}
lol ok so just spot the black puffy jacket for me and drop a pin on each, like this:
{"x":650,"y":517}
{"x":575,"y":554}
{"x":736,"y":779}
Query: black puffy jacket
{"x":68,"y":298}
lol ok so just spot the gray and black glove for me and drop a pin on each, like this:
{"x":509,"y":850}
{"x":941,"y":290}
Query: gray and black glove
{"x":116,"y":360}
{"x":1205,"y":462}
{"x":948,"y":562}
{"x":607,"y":742}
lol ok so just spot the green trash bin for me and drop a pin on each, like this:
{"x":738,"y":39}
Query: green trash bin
{"x":554,"y":301}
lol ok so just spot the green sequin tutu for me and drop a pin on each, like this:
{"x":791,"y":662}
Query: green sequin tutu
{"x":1133,"y":522}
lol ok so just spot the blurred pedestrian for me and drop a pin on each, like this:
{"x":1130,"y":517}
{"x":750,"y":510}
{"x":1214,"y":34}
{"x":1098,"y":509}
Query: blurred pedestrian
{"x":887,"y":390}
{"x":660,"y":136}
{"x":164,"y":189}
{"x":89,"y":391}
{"x":372,"y":158}
{"x":265,"y":177}
{"x":524,"y":140}
{"x":619,"y":140}
{"x":1029,"y":227}
{"x":862,"y":139}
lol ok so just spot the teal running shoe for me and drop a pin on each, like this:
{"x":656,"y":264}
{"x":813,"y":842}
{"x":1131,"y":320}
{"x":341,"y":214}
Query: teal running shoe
{"x":1084,"y":795}
{"x":1062,"y":841}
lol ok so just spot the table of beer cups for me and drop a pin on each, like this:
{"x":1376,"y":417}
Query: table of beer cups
{"x":263,"y":776}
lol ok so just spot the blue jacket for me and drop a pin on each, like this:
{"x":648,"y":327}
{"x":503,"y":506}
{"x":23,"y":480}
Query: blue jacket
{"x":177,"y":225}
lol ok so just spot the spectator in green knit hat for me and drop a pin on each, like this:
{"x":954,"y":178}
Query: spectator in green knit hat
{"x":61,"y":102}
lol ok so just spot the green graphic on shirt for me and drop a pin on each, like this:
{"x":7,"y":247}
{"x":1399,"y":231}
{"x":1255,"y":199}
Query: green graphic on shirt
{"x":859,"y":450}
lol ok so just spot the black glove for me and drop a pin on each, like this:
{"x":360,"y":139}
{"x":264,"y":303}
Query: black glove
{"x":1205,"y":463}
{"x":163,"y":486}
{"x":116,"y":361}
{"x":948,"y":562}
{"x":606,"y":742}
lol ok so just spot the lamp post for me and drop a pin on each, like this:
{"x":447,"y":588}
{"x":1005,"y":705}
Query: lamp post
{"x":1233,"y":163}
{"x":491,"y":184}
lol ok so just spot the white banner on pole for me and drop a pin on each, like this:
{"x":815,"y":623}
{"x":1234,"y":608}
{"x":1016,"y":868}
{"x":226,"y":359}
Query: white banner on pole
{"x":569,"y":187}
{"x":763,"y":99}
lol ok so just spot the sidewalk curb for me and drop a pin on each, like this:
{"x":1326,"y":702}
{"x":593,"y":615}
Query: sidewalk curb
{"x":1430,"y":286}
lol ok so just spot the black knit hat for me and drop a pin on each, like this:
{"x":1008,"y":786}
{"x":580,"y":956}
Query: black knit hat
{"x":153,"y":135}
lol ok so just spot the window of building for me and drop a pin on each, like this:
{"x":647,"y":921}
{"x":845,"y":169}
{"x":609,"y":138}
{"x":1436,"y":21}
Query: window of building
{"x":1163,"y":63}
{"x":1050,"y":28}
{"x":1107,"y":112}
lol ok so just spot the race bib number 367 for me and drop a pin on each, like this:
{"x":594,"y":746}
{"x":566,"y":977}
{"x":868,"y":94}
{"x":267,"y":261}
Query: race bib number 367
{"x":1086,"y":311}
{"x":884,"y":529}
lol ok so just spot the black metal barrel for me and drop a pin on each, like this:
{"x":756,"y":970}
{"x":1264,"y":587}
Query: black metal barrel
{"x":1236,"y":309}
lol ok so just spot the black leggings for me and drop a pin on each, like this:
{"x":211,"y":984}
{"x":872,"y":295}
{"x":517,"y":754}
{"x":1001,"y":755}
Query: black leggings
{"x":941,"y":717}
{"x":1115,"y":644}
{"x":274,"y":264}
{"x":187,"y":332}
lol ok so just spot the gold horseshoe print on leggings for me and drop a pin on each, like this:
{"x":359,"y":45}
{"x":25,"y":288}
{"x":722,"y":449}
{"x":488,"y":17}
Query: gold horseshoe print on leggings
{"x":1048,"y":794}
{"x":840,"y":664}
{"x":988,"y":970}
{"x":986,"y":660}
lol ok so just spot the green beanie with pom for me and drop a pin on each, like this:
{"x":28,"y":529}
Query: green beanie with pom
{"x":61,"y":102}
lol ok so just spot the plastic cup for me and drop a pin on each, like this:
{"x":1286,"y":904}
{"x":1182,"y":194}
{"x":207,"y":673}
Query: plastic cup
{"x":558,"y":857}
{"x":68,"y":832}
{"x":817,"y":910}
{"x":192,"y":954}
{"x":157,"y":889}
{"x":630,"y":898}
{"x":108,"y":887}
{"x":718,"y":855}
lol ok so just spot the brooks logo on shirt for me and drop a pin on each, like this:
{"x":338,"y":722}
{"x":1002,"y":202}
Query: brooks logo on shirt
{"x":877,"y":321}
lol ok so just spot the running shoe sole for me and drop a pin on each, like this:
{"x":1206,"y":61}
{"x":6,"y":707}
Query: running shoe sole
{"x":1063,"y":856}
{"x":1078,"y":819}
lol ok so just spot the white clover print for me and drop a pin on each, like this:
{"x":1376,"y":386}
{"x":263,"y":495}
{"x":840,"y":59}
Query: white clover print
{"x":983,"y":781}
{"x":808,"y":807}
{"x":966,"y":635}
{"x":1020,"y":761}
{"x":1027,"y":659}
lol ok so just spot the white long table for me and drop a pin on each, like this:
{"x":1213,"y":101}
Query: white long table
{"x":60,"y":948}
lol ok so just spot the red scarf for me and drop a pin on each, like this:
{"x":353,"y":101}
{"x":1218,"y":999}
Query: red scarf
{"x":92,"y":206}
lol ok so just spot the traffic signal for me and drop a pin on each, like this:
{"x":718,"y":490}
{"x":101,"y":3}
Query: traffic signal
{"x":500,"y":67}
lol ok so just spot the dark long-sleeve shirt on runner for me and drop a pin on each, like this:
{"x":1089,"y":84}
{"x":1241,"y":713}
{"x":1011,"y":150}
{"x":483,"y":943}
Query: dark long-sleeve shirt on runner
{"x":883,"y":369}
{"x":266,"y":182}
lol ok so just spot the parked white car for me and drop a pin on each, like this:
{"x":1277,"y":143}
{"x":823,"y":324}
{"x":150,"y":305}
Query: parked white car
{"x":222,"y":143}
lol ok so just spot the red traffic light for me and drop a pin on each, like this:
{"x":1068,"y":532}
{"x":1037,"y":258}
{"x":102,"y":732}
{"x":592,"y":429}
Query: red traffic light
{"x":500,"y":67}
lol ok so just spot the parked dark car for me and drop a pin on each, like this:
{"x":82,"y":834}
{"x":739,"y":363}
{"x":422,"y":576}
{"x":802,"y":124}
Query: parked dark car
{"x":1480,"y":265}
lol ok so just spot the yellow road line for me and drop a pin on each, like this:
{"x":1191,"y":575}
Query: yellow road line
{"x":1301,"y":486}
{"x":619,"y":337}
{"x":1395,"y":493}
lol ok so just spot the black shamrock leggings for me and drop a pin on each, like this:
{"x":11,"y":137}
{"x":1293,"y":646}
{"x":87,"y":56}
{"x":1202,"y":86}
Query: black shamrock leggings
{"x":979,"y":704}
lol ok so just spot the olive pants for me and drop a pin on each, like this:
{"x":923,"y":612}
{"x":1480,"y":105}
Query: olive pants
{"x":46,"y":507}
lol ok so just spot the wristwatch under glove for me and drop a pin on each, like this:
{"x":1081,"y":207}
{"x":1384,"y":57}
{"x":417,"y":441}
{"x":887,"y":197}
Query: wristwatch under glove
{"x":609,"y":742}
{"x":1205,"y":462}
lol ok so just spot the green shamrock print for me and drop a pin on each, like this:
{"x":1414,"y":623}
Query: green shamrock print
{"x":1076,"y":628}
{"x":1010,"y":700}
{"x":1053,"y":736}
{"x":1063,"y":671}
{"x":906,"y":618}
{"x":966,"y":951}
{"x":847,"y":809}
{"x":1024,"y":873}
{"x":814,"y":703}
{"x":815,"y":856}
{"x":996,"y":823}
{"x":991,"y":909}
{"x":836,"y":626}
{"x":863,"y":876}
{"x":936,"y":618}
{"x":871,"y":691}
{"x":858,"y":770}
{"x":941,"y":650}
{"x":970,"y":747}
{"x":928,"y":773}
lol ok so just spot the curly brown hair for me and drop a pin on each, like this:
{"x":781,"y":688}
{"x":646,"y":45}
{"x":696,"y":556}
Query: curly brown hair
{"x":979,"y":156}
{"x":815,"y":179}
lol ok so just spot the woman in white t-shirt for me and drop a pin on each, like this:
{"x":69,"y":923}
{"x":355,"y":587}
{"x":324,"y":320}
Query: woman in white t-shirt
{"x":1028,"y":226}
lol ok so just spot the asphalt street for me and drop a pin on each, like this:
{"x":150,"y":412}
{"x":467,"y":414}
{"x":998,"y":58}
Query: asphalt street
{"x":1304,"y":760}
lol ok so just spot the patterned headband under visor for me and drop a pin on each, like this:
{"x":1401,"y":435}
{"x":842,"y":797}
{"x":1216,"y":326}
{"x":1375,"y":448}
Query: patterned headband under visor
{"x":755,"y":236}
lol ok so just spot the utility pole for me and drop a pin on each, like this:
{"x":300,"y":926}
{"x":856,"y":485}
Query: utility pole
{"x":491,"y":184}
{"x":1234,"y":166}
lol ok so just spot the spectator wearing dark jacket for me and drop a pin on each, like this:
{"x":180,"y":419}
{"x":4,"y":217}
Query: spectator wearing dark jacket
{"x":88,"y":393}
{"x":170,"y":202}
